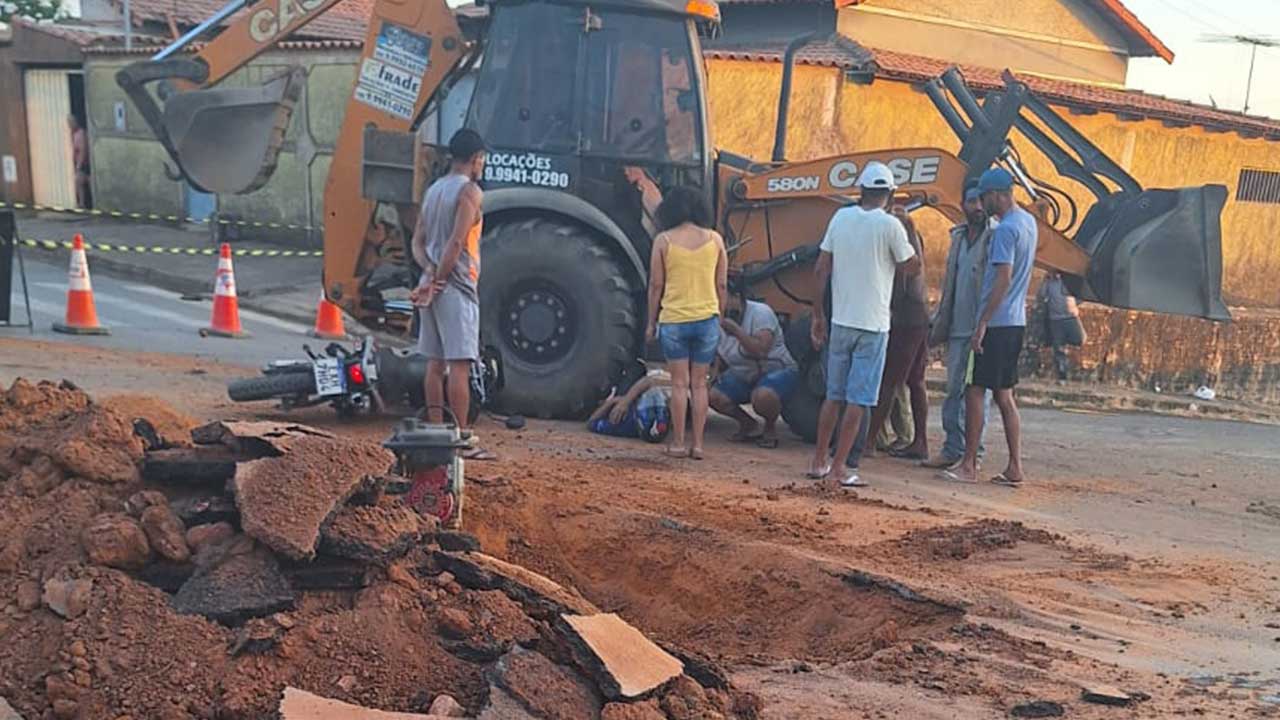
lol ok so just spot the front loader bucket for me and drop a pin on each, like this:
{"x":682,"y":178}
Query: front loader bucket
{"x":227,"y":140}
{"x":1158,"y":250}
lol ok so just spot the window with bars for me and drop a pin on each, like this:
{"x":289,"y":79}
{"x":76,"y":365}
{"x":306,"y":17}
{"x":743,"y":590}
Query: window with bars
{"x":1260,"y":186}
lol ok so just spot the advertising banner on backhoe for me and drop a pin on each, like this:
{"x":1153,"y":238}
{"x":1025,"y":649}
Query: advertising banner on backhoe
{"x":391,"y":80}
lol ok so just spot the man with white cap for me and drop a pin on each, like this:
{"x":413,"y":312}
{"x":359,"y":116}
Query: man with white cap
{"x":1001,"y":325}
{"x":954,"y":321}
{"x":863,"y":247}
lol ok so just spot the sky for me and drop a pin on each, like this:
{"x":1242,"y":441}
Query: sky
{"x":1203,"y":70}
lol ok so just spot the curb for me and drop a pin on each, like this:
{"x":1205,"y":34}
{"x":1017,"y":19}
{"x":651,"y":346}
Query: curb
{"x":1039,"y":396}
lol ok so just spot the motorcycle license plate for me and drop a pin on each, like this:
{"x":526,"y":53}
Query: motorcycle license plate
{"x":330,"y":379}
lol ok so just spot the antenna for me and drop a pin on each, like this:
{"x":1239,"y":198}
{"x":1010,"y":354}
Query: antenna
{"x":1255,"y":41}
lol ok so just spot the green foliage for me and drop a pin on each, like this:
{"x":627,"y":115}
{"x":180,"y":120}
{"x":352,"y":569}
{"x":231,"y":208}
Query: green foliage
{"x":32,"y":10}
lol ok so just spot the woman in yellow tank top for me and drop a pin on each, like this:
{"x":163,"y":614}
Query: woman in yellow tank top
{"x":688,"y":276}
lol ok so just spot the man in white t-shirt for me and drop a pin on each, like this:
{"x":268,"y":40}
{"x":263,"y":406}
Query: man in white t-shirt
{"x":863,"y":248}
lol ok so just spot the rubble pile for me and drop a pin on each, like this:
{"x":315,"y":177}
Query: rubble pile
{"x":260,"y":570}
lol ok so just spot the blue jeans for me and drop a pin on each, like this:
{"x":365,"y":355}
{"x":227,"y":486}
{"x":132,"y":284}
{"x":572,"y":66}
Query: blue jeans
{"x":739,"y":390}
{"x":855,"y":364}
{"x":694,"y":341}
{"x":953,"y":405}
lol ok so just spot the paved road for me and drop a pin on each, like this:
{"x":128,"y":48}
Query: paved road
{"x":142,"y":317}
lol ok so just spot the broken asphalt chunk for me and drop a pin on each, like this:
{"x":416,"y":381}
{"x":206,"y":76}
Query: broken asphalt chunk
{"x":206,"y":510}
{"x":255,"y":438}
{"x":301,"y":705}
{"x":1106,"y":695}
{"x":374,"y":533}
{"x":1037,"y":709}
{"x":625,"y":664}
{"x":285,"y":500}
{"x":546,"y":689}
{"x":537,"y":593}
{"x":240,"y":587}
{"x":200,"y":465}
{"x":327,"y":574}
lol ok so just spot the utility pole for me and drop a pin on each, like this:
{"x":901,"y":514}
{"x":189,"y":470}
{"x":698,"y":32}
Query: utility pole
{"x":128,"y":27}
{"x":1254,"y":41}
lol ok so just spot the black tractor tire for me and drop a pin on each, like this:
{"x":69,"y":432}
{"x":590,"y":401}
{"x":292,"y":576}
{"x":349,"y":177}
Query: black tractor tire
{"x":561,"y":311}
{"x":267,"y":387}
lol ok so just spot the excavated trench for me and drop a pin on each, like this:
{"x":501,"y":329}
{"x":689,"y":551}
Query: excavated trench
{"x":717,"y":592}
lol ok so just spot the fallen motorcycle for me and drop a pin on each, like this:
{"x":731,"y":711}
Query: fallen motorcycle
{"x":364,"y":379}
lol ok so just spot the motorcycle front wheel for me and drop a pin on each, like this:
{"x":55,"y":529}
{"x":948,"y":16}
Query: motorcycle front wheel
{"x":268,"y":387}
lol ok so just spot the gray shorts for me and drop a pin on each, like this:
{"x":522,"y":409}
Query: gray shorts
{"x":450,"y":327}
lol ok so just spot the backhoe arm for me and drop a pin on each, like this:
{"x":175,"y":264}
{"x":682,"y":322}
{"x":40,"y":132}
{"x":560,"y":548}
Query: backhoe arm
{"x":411,"y":48}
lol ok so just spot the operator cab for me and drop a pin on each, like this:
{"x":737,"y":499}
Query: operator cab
{"x":577,"y":97}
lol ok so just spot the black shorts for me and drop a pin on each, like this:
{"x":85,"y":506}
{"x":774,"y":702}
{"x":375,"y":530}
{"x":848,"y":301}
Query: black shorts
{"x":996,"y":367}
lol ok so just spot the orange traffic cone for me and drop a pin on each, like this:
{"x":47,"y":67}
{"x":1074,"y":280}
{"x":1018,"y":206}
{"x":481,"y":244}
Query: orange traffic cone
{"x":328,"y":321}
{"x":226,"y":310}
{"x":82,"y":316}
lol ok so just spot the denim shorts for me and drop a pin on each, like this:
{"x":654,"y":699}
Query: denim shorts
{"x":855,"y":364}
{"x":738,"y":389}
{"x":694,"y":341}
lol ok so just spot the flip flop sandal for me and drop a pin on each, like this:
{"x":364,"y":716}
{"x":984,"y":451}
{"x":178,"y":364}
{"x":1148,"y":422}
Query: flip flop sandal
{"x":939,"y":463}
{"x":955,"y":477}
{"x":478,"y":453}
{"x":746,"y":438}
{"x":819,"y":475}
{"x":853,"y":480}
{"x":695,"y":454}
{"x":674,"y":453}
{"x":907,"y":455}
{"x":1002,"y":479}
{"x":768,"y":443}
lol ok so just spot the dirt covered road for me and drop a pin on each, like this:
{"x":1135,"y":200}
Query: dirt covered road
{"x":1143,"y":556}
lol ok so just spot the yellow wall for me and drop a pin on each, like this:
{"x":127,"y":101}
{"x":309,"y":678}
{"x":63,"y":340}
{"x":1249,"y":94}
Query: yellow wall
{"x":1069,"y":19}
{"x":743,"y":99}
{"x":1094,"y":52}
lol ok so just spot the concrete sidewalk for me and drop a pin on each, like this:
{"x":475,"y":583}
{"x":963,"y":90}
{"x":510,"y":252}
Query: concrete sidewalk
{"x":287,"y":287}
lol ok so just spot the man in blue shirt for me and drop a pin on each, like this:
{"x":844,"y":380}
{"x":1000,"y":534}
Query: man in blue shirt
{"x":1001,"y":324}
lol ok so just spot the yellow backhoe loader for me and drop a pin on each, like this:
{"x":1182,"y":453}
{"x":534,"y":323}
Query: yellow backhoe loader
{"x":576,"y":96}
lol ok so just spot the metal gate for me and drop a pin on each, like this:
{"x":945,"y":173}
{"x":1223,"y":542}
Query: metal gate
{"x":53,"y":178}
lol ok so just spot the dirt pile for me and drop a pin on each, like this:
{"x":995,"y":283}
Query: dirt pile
{"x":960,"y":542}
{"x":128,"y":593}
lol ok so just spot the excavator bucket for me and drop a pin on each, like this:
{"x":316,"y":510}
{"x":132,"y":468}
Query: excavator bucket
{"x":222,"y":140}
{"x":227,"y":140}
{"x":1159,"y":250}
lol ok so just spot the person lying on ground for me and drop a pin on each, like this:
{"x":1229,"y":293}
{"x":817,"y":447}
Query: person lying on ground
{"x":755,"y":367}
{"x":643,"y":411}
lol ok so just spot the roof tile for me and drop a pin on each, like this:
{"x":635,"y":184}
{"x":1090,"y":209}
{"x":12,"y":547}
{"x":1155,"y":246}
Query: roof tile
{"x":901,"y":66}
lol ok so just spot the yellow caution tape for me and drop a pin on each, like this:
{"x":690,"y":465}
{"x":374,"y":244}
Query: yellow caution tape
{"x":153,"y":216}
{"x":158,"y":250}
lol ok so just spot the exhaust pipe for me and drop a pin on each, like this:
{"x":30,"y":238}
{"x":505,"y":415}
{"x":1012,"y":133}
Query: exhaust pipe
{"x":784,"y":98}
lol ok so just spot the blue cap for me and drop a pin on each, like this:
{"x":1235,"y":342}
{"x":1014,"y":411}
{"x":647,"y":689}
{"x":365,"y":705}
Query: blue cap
{"x":971,"y":193}
{"x":995,"y":179}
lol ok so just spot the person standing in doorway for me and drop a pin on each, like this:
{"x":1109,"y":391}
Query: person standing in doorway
{"x":954,"y":322}
{"x":688,"y":282}
{"x":1002,"y":322}
{"x":446,"y":244}
{"x":80,"y":160}
{"x":863,"y":248}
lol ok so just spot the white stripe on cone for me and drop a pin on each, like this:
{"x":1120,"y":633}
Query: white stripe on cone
{"x":224,"y":281}
{"x":78,"y":275}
